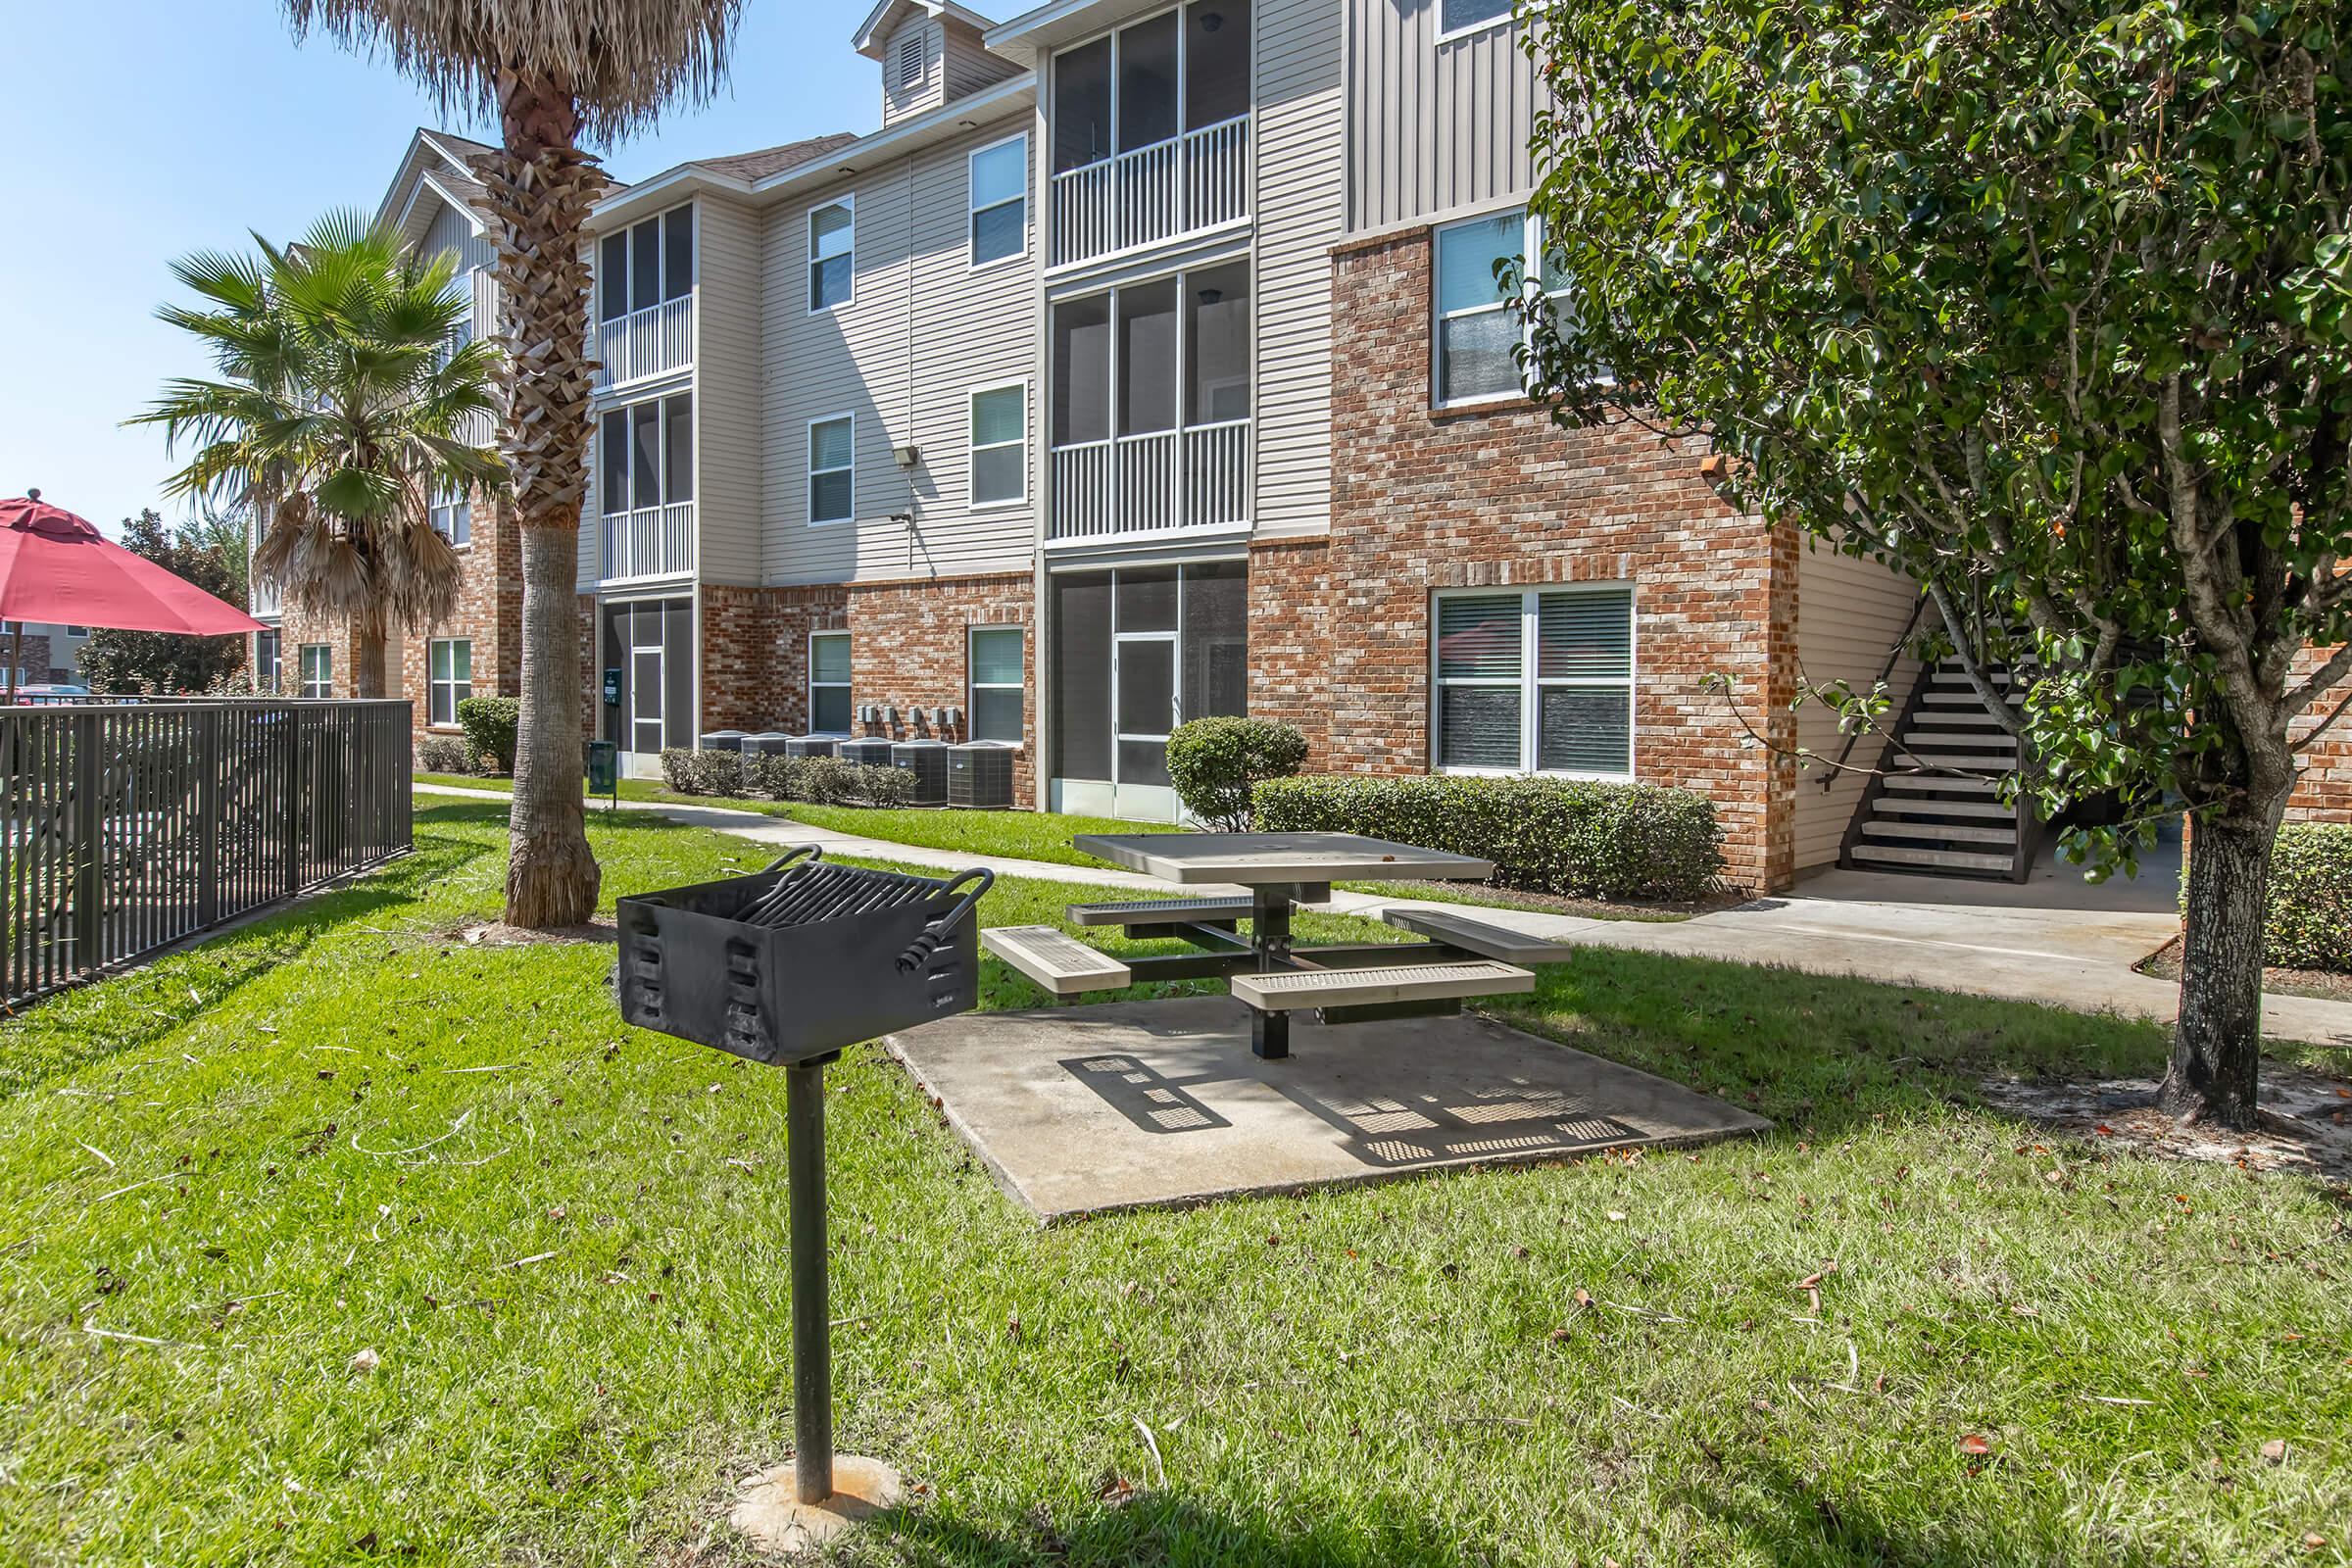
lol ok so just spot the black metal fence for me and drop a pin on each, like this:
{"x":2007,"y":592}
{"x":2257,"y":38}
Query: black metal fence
{"x":125,"y":828}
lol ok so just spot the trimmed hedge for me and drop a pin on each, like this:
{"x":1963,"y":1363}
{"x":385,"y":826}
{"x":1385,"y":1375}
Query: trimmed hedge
{"x":817,"y":780}
{"x":2309,"y":921}
{"x":1544,"y":835}
{"x":490,"y":725}
{"x":1216,"y":762}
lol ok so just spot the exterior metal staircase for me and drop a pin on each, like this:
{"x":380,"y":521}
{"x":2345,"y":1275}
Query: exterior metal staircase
{"x":1944,"y":825}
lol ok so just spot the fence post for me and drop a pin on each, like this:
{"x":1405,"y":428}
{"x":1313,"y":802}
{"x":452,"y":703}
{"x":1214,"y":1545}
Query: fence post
{"x":89,"y":843}
{"x":208,"y":815}
{"x":297,"y":745}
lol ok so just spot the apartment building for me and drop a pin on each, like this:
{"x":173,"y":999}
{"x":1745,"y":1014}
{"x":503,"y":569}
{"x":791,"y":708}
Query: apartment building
{"x":1145,"y":364}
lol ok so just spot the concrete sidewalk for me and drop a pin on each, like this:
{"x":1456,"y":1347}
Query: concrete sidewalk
{"x":2047,"y":941}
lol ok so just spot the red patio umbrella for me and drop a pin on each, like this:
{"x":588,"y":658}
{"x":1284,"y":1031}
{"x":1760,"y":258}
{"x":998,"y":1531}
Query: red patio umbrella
{"x":56,"y":566}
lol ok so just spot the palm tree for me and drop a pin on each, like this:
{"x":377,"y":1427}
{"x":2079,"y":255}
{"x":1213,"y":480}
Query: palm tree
{"x":552,"y":71}
{"x":338,"y":413}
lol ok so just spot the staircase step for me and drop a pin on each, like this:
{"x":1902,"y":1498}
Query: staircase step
{"x":1999,"y":739}
{"x":1962,"y":698}
{"x":1950,"y":674}
{"x":1952,"y":859}
{"x":1976,"y":764}
{"x":1888,"y":804}
{"x":1918,"y":782}
{"x":1951,"y":831}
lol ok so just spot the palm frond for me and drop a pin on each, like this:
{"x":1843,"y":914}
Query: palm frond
{"x":623,"y":59}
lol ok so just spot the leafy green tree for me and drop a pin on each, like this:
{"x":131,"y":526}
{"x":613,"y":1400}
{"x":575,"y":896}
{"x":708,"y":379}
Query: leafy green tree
{"x":146,"y":662}
{"x":339,"y":411}
{"x":2042,"y":302}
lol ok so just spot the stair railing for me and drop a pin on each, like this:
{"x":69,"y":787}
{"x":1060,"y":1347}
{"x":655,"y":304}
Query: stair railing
{"x":1895,"y":657}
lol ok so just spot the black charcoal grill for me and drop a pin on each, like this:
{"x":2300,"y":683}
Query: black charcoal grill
{"x":792,"y":963}
{"x":787,"y":966}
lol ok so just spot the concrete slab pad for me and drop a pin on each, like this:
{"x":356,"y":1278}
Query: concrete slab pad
{"x":1129,"y":1104}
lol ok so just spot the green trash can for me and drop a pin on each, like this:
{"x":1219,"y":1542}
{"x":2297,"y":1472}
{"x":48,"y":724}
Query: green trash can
{"x":604,"y":767}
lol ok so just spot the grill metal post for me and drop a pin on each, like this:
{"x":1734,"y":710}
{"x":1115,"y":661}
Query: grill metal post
{"x":812,"y":1339}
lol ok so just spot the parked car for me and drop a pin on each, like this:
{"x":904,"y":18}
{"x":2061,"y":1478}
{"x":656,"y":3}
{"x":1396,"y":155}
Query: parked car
{"x":52,"y":692}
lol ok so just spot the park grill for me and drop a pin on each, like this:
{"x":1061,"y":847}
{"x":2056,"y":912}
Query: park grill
{"x":787,"y":966}
{"x":793,"y":962}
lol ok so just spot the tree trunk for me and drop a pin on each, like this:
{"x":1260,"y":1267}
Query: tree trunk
{"x":367,"y":648}
{"x":2217,"y":1043}
{"x":552,"y":877}
{"x":540,"y":186}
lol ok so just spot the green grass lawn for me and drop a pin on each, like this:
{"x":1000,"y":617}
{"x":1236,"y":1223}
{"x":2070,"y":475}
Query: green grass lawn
{"x":1025,"y":835}
{"x":345,"y":1129}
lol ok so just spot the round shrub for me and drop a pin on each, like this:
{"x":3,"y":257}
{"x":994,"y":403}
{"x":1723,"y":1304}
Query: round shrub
{"x":1216,"y":763}
{"x":490,"y":723}
{"x":444,"y":753}
{"x":2308,"y":924}
{"x":1544,"y":835}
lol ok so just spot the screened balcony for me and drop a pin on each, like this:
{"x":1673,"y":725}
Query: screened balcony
{"x":644,"y":489}
{"x":1152,"y":132}
{"x":1151,"y":417}
{"x":645,"y":300}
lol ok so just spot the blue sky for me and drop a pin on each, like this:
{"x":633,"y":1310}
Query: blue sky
{"x":141,"y":130}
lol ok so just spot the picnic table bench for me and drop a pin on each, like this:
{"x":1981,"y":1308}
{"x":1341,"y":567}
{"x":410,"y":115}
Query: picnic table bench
{"x":1273,"y":976}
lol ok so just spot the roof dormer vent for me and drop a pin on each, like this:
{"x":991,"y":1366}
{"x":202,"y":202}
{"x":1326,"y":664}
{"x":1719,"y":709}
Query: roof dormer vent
{"x":913,"y":62}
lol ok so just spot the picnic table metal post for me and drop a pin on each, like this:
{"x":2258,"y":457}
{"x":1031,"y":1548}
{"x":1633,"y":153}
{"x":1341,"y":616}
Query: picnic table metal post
{"x":1270,"y":935}
{"x":812,"y":1340}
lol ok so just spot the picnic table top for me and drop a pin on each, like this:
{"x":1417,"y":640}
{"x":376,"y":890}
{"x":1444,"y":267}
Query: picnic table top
{"x":1264,"y":860}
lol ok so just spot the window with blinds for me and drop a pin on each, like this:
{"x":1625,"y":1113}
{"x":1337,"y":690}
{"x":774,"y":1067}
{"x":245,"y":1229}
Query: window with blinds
{"x":1537,"y":680}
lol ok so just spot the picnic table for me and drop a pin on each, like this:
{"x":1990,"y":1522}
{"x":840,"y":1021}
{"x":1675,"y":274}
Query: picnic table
{"x":1338,"y":982}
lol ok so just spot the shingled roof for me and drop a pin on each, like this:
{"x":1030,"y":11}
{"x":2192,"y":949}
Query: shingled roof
{"x":773,"y":159}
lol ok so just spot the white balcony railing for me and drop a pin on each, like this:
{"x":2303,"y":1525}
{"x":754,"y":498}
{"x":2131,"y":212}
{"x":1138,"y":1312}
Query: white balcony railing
{"x":1159,"y":482}
{"x":650,"y":542}
{"x":1190,"y":183}
{"x":654,"y":341}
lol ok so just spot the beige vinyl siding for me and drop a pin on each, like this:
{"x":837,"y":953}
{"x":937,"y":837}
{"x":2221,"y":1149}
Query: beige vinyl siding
{"x":590,"y":565}
{"x":898,"y":102}
{"x":1850,"y":611}
{"x":968,"y":66}
{"x":451,"y":230}
{"x":1434,"y":126}
{"x":904,"y":367}
{"x":1299,"y":207}
{"x":729,"y":391}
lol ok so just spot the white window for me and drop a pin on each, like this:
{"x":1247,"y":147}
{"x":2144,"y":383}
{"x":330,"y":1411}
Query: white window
{"x":1538,"y":680}
{"x":1000,"y":445}
{"x":1476,"y":330}
{"x":832,"y":256}
{"x":317,"y":670}
{"x":999,"y":200}
{"x":996,"y":695}
{"x":913,"y":66}
{"x":449,"y":677}
{"x":264,"y":661}
{"x":1458,"y":16}
{"x":832,"y":479}
{"x":829,"y":683}
{"x":452,"y":517}
{"x":646,"y":264}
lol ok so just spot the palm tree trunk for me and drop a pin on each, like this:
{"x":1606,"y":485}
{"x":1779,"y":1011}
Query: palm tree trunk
{"x":541,"y":185}
{"x":367,"y":648}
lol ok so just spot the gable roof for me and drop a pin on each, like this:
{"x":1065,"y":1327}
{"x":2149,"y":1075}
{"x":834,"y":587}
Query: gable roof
{"x":439,"y":164}
{"x":883,"y":20}
{"x":773,"y":159}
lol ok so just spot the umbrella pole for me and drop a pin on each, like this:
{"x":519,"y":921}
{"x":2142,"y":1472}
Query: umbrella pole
{"x":15,"y":656}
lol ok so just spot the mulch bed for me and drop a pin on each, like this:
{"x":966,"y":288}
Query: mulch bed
{"x":2320,"y":983}
{"x":2306,"y":1122}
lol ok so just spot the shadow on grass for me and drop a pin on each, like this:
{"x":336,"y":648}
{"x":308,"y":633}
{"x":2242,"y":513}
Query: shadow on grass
{"x":1817,"y":1053}
{"x":130,"y":1010}
{"x":1157,"y":1526}
{"x":1785,"y":1517}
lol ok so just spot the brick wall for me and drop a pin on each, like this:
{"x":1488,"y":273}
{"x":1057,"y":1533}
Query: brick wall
{"x":31,"y":659}
{"x":2324,"y":792}
{"x":908,"y":649}
{"x":489,"y":614}
{"x":1426,"y":499}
